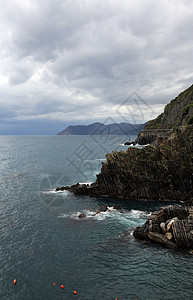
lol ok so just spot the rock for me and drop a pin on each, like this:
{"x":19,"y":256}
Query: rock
{"x":118,"y":207}
{"x":60,"y":189}
{"x":178,"y":222}
{"x":82,"y":216}
{"x":163,"y":227}
{"x":161,"y":239}
{"x":168,"y":235}
{"x":148,"y":136}
{"x":129,"y":143}
{"x":102,"y":208}
{"x":169,"y":223}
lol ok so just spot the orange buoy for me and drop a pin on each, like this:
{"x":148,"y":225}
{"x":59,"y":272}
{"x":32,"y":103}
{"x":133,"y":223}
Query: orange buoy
{"x":75,"y":292}
{"x":54,"y":284}
{"x":14,"y":281}
{"x":62,"y":286}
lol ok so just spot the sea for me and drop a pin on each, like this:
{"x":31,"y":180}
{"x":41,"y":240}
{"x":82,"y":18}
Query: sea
{"x":45,"y":245}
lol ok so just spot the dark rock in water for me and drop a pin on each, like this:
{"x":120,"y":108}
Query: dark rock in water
{"x":128,"y":143}
{"x":118,"y":207}
{"x":177,"y":231}
{"x":102,"y":208}
{"x":82,"y":216}
{"x":63,"y":188}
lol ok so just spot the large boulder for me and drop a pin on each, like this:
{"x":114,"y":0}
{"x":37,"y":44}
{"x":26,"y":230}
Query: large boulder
{"x":171,"y":226}
{"x":161,"y":239}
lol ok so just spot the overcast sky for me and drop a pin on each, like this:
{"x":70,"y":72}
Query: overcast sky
{"x":76,"y":62}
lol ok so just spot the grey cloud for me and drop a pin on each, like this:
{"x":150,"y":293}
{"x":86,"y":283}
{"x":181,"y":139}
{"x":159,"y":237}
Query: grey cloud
{"x":78,"y":56}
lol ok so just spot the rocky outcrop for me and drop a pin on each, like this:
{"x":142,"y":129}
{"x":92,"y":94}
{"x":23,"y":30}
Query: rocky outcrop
{"x":162,"y":170}
{"x":148,"y":136}
{"x":171,"y":226}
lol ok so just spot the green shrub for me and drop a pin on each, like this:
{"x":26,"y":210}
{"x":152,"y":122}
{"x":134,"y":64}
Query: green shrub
{"x":190,"y":121}
{"x":186,"y":110}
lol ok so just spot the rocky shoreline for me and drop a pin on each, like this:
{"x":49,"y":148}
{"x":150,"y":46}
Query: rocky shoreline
{"x":171,"y":226}
{"x":162,"y":170}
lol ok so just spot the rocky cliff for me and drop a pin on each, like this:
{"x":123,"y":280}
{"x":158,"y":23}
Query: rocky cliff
{"x":162,"y":170}
{"x":177,"y":113}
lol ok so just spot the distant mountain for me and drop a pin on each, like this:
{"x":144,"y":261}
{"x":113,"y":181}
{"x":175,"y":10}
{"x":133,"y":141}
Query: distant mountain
{"x":102,"y":129}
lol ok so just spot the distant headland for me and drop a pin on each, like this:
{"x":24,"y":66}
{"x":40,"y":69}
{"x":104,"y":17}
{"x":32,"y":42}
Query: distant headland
{"x":102,"y":129}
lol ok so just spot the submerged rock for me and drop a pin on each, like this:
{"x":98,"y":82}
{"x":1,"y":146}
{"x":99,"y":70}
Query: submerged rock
{"x":102,"y":208}
{"x":130,"y":143}
{"x":82,"y":215}
{"x":117,"y":207}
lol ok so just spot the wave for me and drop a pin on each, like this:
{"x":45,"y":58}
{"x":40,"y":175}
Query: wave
{"x":129,"y":218}
{"x":87,"y":182}
{"x":139,"y":213}
{"x":140,"y":146}
{"x":56,"y":192}
{"x":136,"y":145}
{"x":95,"y":160}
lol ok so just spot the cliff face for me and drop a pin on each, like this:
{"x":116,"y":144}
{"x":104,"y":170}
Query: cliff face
{"x":177,"y":113}
{"x":162,"y":170}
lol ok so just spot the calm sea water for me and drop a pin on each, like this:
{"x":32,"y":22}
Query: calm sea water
{"x":43,"y":242}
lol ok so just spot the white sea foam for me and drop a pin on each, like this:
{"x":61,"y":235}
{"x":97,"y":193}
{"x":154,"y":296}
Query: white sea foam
{"x":126,"y":217}
{"x":87,"y":182}
{"x":95,"y":160}
{"x":138,"y":214}
{"x":131,"y":145}
{"x":56,"y":192}
{"x":141,"y":146}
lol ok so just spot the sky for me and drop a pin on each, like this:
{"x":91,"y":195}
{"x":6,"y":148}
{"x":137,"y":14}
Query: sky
{"x":83,"y":61}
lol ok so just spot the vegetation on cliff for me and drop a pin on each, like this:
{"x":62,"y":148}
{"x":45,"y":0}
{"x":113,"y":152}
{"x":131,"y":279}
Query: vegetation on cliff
{"x":178,"y":112}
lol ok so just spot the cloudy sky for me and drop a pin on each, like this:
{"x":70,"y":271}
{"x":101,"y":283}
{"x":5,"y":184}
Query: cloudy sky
{"x":76,"y":62}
